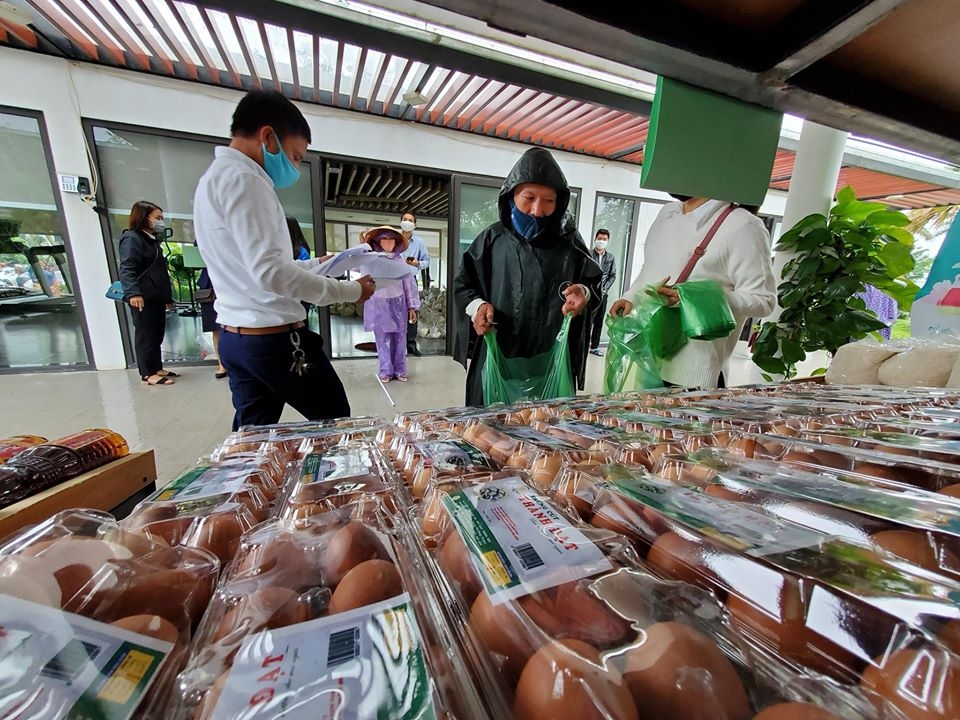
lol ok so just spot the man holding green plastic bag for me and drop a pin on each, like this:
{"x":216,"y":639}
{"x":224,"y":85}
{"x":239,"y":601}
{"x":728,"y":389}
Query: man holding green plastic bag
{"x":525,"y":290}
{"x":720,"y":255}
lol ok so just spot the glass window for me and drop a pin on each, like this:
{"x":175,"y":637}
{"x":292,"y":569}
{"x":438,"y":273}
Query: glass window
{"x":137,"y":165}
{"x":39,"y":322}
{"x":478,"y":209}
{"x":616,"y":216}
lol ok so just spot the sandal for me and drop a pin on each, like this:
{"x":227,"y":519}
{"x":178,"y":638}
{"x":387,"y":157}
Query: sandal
{"x":220,"y":374}
{"x":402,"y":378}
{"x":167,"y":373}
{"x":385,"y":378}
{"x":157,"y":380}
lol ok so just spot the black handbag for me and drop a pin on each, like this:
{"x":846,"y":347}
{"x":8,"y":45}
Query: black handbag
{"x":204,"y":296}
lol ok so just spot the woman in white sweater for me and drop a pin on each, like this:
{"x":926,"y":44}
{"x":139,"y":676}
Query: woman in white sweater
{"x":738,"y":257}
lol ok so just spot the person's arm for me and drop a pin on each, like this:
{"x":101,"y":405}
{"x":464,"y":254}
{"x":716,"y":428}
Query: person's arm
{"x":613,"y":274}
{"x":248,"y":216}
{"x":750,"y":271}
{"x":131,"y":259}
{"x":423,"y":257}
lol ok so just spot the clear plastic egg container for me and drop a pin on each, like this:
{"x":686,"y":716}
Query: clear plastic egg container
{"x":440,"y":459}
{"x":560,"y":621}
{"x":323,"y":614}
{"x":838,"y":457}
{"x":919,"y":527}
{"x":824,"y":604}
{"x":270,"y":467}
{"x":213,"y":523}
{"x":83,"y":604}
{"x":252,"y":479}
{"x":911,"y":445}
{"x":344,"y":475}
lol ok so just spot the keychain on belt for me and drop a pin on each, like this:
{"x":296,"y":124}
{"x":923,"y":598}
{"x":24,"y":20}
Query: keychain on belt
{"x":300,"y":363}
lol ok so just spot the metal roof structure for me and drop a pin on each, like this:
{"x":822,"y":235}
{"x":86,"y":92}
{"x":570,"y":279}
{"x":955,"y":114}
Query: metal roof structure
{"x":337,"y":62}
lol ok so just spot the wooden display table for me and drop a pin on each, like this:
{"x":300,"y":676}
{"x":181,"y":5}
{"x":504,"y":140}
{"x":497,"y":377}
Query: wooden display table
{"x":107,"y":488}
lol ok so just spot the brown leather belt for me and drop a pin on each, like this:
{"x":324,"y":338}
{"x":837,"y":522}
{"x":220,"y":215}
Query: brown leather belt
{"x":271,"y":330}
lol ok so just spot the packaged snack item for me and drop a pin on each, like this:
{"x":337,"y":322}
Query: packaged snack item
{"x":94,"y":447}
{"x":12,"y":445}
{"x":35,"y":469}
{"x":318,"y":614}
{"x":96,"y":621}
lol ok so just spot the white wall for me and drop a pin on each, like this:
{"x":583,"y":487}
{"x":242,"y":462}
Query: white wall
{"x":66,"y":92}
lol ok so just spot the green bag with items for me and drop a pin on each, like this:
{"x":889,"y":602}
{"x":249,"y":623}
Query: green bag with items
{"x":704,"y":311}
{"x":630,"y":363}
{"x":665,"y":329}
{"x":541,"y":377}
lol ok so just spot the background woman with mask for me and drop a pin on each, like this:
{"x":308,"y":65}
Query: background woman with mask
{"x":525,"y":273}
{"x":146,"y":287}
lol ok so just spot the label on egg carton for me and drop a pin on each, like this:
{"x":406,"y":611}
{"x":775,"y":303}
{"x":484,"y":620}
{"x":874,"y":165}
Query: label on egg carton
{"x":915,"y":508}
{"x":76,"y":667}
{"x":204,"y":482}
{"x":589,"y":430}
{"x":518,"y":542}
{"x":355,"y":665}
{"x":318,"y":467}
{"x":751,"y":532}
{"x":528,"y":434}
{"x":451,"y":455}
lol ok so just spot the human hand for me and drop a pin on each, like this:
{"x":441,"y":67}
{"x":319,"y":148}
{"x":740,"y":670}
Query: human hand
{"x":136,"y":302}
{"x":328,"y":256}
{"x":668,"y":291}
{"x":413,"y":261}
{"x":621,"y":307}
{"x":169,"y":306}
{"x":368,"y":286}
{"x":483,"y":320}
{"x":411,"y":316}
{"x":576,"y":300}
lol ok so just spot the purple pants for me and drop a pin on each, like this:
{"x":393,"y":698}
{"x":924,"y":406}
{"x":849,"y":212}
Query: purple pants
{"x":392,"y":353}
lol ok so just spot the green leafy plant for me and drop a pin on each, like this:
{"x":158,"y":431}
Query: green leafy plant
{"x":833,"y":258}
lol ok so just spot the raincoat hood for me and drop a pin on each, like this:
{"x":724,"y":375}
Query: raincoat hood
{"x":536,"y":165}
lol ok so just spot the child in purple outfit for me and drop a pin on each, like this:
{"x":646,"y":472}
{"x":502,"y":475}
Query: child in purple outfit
{"x":389,"y":309}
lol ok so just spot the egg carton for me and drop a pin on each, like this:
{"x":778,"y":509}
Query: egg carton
{"x":82,"y":601}
{"x":824,"y":604}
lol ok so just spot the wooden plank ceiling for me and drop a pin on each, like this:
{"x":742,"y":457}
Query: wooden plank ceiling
{"x":203,"y":42}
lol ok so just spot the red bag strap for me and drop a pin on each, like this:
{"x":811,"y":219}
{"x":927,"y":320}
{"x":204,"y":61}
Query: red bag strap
{"x":701,"y":249}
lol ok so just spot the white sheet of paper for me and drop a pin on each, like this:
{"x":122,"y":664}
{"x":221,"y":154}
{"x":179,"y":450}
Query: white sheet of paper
{"x":342,"y":262}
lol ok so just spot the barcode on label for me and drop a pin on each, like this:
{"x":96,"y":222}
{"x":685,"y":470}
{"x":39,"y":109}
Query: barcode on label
{"x":344,"y":647}
{"x":69,"y":662}
{"x":529,"y":557}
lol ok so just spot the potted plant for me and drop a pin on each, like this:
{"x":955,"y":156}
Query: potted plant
{"x":833,"y":258}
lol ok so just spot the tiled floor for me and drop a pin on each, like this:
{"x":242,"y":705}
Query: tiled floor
{"x":186,"y":420}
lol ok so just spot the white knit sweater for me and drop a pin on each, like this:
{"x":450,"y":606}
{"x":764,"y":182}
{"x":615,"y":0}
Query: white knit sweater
{"x":738,"y":257}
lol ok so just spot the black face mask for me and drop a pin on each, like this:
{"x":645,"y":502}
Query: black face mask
{"x":681,"y":198}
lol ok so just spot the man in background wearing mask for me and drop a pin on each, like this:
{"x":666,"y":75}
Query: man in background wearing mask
{"x":608,"y":265}
{"x":415,"y":254}
{"x":270,"y":356}
{"x":524,"y":273}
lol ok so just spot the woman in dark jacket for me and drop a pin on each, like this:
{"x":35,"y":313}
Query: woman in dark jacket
{"x":524,"y":273}
{"x":146,"y":287}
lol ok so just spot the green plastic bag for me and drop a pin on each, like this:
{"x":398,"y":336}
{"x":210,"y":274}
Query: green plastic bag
{"x":704,"y":311}
{"x":665,"y":332}
{"x":630,"y":363}
{"x":541,"y":377}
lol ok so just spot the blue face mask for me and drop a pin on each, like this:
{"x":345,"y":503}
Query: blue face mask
{"x":527,"y":226}
{"x":278,"y":166}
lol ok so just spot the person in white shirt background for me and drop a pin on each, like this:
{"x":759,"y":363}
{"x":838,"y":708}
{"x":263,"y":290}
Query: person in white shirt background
{"x":270,"y":356}
{"x":738,"y":257}
{"x":415,"y":254}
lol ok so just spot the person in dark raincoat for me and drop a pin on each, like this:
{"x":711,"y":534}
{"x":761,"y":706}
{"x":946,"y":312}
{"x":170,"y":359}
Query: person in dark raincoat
{"x":524,"y":273}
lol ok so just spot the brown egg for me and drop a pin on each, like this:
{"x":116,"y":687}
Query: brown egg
{"x":616,"y":516}
{"x":677,"y":557}
{"x":454,"y":560}
{"x":660,"y":672}
{"x":353,"y":544}
{"x":910,"y":545}
{"x":794,"y":711}
{"x":570,"y":611}
{"x":821,"y":458}
{"x":884,"y":472}
{"x":421,"y":481}
{"x":434,"y":518}
{"x":567,"y":680}
{"x":502,"y":450}
{"x":745,"y":446}
{"x":576,"y":489}
{"x":519,"y":459}
{"x":950,"y":491}
{"x":170,"y":532}
{"x":280,"y":561}
{"x":72,"y":561}
{"x":219,"y":533}
{"x":505,"y":635}
{"x":207,"y":705}
{"x":367,"y":583}
{"x":263,"y":609}
{"x":27,"y":582}
{"x":474,"y":433}
{"x":924,"y":684}
{"x":151,"y":625}
{"x":545,"y":468}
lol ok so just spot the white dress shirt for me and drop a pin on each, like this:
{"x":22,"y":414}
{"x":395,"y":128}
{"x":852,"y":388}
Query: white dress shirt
{"x":243,"y":237}
{"x":417,"y":249}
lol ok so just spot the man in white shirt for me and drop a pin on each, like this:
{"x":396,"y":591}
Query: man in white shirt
{"x":415,"y":254}
{"x":270,"y":356}
{"x":738,"y":257}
